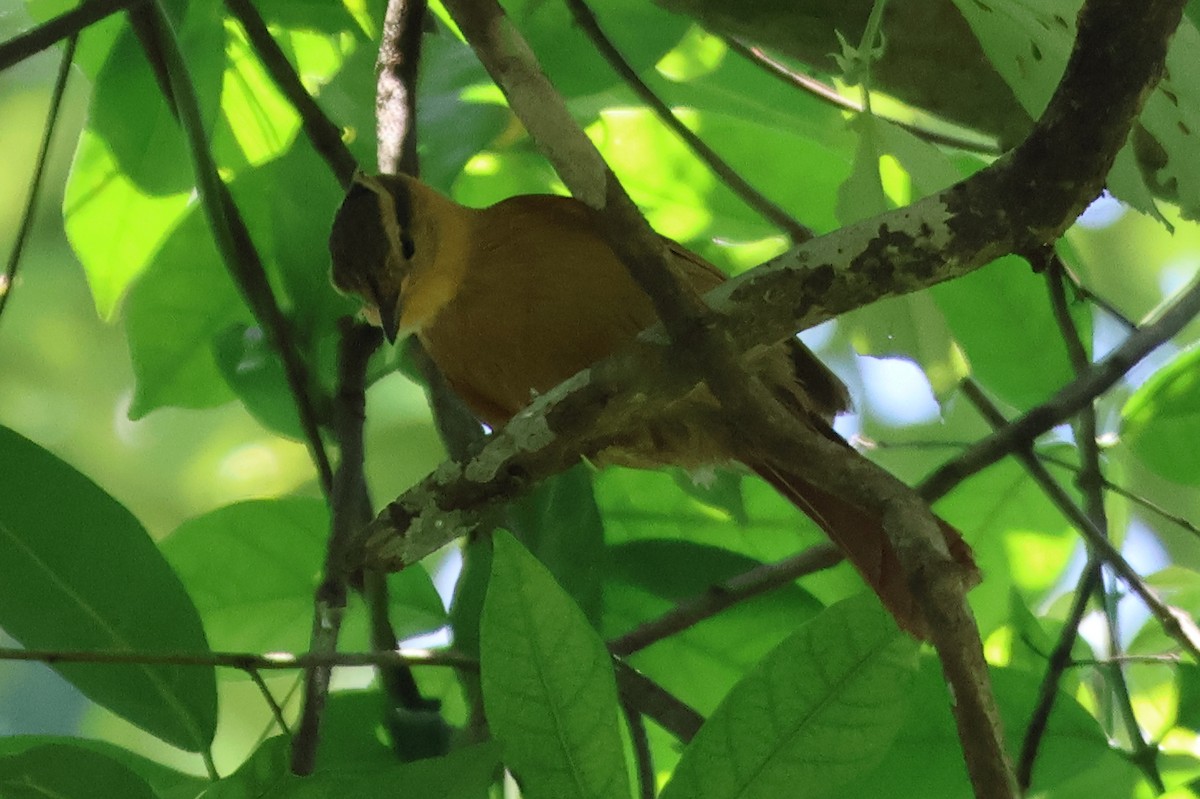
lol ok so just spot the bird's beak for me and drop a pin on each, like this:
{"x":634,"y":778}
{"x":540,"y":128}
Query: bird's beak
{"x":389,"y":316}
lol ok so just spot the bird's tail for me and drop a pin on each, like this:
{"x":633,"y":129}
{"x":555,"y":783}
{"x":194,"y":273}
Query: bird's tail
{"x":860,"y":536}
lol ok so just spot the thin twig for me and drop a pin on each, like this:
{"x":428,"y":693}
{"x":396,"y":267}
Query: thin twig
{"x":229,"y":227}
{"x":1100,"y":377}
{"x":1091,"y":485}
{"x":398,"y":65}
{"x":1058,"y":661}
{"x":243,"y":661}
{"x":269,"y":698}
{"x":649,"y":698}
{"x":64,"y":26}
{"x":325,"y":136}
{"x":1137,"y":499}
{"x":751,"y":196}
{"x":758,"y":580}
{"x":9,"y":280}
{"x":829,"y":94}
{"x":642,"y":756}
{"x":1175,"y":623}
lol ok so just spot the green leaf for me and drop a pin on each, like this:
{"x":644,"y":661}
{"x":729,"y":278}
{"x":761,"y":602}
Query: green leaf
{"x":818,"y":710}
{"x":131,"y":178}
{"x":642,"y":32}
{"x":560,"y":524}
{"x":1021,"y":370}
{"x":464,"y":774}
{"x":449,"y":73}
{"x":927,"y":760}
{"x":253,"y":566}
{"x":89,"y":565}
{"x":700,"y":664}
{"x":68,"y":772}
{"x":1021,"y":540}
{"x":548,"y":687}
{"x":173,"y":312}
{"x":1161,"y":421}
{"x":1027,"y":43}
{"x":255,"y":372}
{"x":167,"y":783}
{"x":114,"y":226}
{"x":639,"y":504}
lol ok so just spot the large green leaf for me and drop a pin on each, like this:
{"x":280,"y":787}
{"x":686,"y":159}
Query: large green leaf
{"x":818,"y":710}
{"x":167,"y":783}
{"x":642,"y":32}
{"x":132,"y":175}
{"x":60,"y":771}
{"x":927,"y":761}
{"x":252,"y":568}
{"x":700,"y":664}
{"x":548,"y":686}
{"x":1161,"y":421}
{"x":464,"y":774}
{"x":987,"y":308}
{"x":77,"y":571}
{"x":560,"y":524}
{"x":173,"y":313}
{"x":1029,"y":42}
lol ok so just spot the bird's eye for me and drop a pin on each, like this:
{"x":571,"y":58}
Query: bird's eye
{"x":407,"y":247}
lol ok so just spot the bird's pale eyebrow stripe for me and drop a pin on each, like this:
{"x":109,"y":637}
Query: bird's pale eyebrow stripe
{"x":389,"y":216}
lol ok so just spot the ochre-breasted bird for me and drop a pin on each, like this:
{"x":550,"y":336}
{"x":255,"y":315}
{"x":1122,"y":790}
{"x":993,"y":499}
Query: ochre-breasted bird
{"x":513,"y":299}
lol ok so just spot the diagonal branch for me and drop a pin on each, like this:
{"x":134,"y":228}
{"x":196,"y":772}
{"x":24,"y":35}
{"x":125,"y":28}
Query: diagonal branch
{"x":765,"y":207}
{"x":229,"y":229}
{"x":9,"y":278}
{"x":67,"y":24}
{"x":1100,"y":377}
{"x":325,"y":136}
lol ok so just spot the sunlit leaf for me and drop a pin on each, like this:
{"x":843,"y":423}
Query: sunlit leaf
{"x":1161,"y":421}
{"x":1021,"y":370}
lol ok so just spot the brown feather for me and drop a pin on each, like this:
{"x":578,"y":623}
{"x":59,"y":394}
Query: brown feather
{"x":513,"y":299}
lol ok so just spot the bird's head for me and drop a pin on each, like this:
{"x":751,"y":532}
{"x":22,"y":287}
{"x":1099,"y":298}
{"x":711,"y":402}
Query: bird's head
{"x":373,"y":248}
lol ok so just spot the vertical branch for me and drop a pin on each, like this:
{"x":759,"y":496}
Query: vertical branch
{"x":1091,"y":484}
{"x":396,"y":88}
{"x":9,"y":279}
{"x":349,"y":511}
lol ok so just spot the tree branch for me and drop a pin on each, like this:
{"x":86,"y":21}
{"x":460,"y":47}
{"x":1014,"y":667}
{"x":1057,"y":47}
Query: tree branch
{"x":1100,"y":377}
{"x":9,"y":278}
{"x":350,"y":507}
{"x":243,"y":661}
{"x":722,"y":596}
{"x":67,"y":24}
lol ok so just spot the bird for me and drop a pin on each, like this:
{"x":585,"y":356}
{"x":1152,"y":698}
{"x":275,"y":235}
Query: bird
{"x":514,"y":298}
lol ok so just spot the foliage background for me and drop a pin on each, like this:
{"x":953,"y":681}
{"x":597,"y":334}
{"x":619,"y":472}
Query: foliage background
{"x":77,"y":359}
